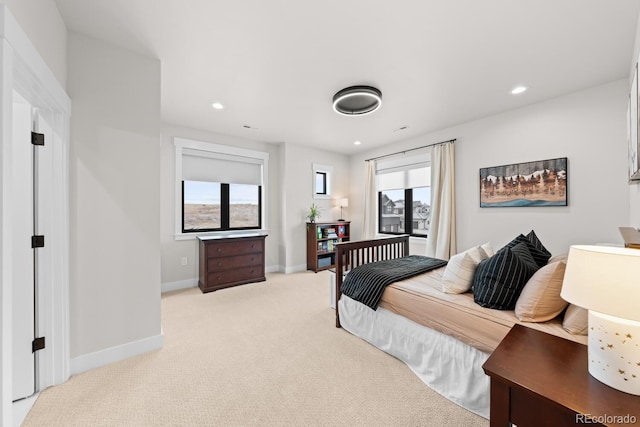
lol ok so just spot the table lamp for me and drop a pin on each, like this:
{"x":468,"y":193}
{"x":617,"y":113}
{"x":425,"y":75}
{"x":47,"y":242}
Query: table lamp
{"x":605,"y":280}
{"x":343,"y":203}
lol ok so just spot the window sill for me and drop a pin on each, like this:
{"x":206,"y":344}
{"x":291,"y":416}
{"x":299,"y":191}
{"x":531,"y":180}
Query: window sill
{"x":226,"y":233}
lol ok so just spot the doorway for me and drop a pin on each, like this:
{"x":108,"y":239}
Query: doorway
{"x":44,"y":104}
{"x":24,"y":284}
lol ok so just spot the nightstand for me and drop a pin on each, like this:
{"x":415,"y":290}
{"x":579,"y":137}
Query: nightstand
{"x":538,"y":379}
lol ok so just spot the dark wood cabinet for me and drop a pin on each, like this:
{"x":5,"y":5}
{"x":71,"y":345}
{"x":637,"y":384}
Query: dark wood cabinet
{"x":538,"y":379}
{"x":321,"y":240}
{"x":230,"y":261}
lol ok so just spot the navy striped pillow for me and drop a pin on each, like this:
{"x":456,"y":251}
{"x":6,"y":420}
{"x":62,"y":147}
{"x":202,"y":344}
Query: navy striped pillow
{"x":499,"y":280}
{"x":540,"y":255}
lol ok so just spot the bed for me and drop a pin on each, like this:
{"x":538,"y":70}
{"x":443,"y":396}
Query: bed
{"x":443,"y":338}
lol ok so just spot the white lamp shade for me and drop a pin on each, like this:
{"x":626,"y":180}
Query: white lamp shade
{"x":343,"y":203}
{"x":604,"y":279}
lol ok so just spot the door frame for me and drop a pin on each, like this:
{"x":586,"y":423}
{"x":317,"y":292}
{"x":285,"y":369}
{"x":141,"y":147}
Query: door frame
{"x":23,"y":69}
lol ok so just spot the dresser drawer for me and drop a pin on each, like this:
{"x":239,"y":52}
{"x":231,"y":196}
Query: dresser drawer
{"x":227,"y":277}
{"x":231,"y":248}
{"x":228,"y":263}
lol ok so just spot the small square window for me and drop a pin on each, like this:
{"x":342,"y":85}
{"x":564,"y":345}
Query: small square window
{"x":321,"y":183}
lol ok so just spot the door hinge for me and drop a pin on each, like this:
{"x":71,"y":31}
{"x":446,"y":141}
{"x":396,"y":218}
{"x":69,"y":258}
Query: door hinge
{"x":37,"y":138}
{"x":37,"y":241}
{"x":37,"y":344}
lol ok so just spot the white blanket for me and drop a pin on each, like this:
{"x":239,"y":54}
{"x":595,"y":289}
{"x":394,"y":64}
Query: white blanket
{"x":448,"y":366}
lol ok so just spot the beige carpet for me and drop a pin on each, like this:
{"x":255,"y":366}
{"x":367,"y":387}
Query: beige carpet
{"x":264,"y":354}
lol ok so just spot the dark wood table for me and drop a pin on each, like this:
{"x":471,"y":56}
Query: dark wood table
{"x":538,"y":379}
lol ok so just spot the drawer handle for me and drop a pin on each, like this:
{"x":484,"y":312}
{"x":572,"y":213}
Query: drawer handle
{"x":219,"y":250}
{"x":218,"y":278}
{"x":219,"y":263}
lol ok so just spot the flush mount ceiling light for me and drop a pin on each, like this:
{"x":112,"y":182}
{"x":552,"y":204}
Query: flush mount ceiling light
{"x":357,"y":100}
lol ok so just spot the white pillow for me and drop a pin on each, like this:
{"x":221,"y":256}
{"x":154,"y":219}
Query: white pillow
{"x":458,"y":275}
{"x":576,"y":320}
{"x":540,"y":298}
{"x":487,"y":249}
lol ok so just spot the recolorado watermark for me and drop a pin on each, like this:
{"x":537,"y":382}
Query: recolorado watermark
{"x":605,"y":419}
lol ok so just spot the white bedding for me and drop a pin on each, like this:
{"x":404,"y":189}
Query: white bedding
{"x":443,"y":338}
{"x":448,"y":366}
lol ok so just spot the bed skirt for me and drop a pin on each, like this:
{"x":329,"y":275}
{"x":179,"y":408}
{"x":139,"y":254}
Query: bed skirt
{"x":448,"y":366}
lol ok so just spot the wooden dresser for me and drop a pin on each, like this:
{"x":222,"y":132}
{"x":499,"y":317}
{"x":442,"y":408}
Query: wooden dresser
{"x":231,"y":260}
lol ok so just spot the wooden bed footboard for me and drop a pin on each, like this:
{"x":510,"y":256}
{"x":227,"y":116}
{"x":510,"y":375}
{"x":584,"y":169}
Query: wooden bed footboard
{"x":352,"y":254}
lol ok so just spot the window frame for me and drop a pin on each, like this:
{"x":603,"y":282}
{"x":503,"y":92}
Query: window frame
{"x":323,"y":187}
{"x":328,"y":177}
{"x":219,"y":151}
{"x":225,"y":212}
{"x":406,"y":165}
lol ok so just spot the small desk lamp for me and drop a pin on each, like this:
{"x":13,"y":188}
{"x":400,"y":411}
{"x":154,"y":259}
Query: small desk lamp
{"x":343,"y":203}
{"x":606,"y":281}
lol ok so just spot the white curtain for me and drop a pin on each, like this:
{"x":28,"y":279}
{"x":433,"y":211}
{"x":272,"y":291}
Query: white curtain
{"x":370,"y":210}
{"x":441,"y":240}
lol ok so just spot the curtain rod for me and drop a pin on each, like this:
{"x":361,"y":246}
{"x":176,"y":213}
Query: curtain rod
{"x":410,"y":149}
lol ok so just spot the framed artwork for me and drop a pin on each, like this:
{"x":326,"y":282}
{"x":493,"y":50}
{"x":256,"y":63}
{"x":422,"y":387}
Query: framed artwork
{"x":633,"y":119}
{"x":538,"y":183}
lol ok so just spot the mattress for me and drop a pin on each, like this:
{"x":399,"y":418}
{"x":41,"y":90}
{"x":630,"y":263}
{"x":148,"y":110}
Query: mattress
{"x":421,"y":300}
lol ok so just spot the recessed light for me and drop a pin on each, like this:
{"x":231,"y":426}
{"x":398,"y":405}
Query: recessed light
{"x":518,"y":89}
{"x":217,"y":106}
{"x":357,"y":143}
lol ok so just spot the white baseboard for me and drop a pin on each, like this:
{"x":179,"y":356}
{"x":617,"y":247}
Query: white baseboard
{"x":295,"y":269}
{"x":107,"y":356}
{"x":272,"y":269}
{"x":180,"y":284}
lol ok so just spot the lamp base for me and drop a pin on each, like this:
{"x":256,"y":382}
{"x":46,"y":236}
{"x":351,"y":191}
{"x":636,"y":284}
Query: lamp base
{"x":614,"y":352}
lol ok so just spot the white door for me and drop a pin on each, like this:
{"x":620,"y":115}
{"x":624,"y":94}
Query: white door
{"x":23,"y":254}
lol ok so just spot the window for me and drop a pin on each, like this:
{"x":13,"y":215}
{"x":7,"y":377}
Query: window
{"x":244,"y":206}
{"x":201,"y":206}
{"x":322,"y":181}
{"x":404,"y":195}
{"x":218,"y":188}
{"x":215,"y":206}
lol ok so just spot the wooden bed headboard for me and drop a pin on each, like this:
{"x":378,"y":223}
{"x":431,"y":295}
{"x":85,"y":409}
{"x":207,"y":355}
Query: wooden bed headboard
{"x":354,"y":253}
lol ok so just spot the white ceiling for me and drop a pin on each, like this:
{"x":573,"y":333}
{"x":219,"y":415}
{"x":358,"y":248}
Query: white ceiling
{"x":276,"y":64}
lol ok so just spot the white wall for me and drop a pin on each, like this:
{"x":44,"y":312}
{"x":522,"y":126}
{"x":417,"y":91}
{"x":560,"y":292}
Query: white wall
{"x":43,"y":24}
{"x":115,"y":200}
{"x":634,"y":189}
{"x":174,"y":275}
{"x":588,"y":127}
{"x":296,"y":179}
